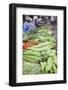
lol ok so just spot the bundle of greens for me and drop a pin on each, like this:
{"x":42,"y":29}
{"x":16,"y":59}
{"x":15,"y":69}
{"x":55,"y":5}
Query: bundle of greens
{"x":31,"y":68}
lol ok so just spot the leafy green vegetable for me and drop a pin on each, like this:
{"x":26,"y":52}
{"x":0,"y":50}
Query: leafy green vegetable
{"x":31,"y":68}
{"x":43,"y":64}
{"x":49,"y":63}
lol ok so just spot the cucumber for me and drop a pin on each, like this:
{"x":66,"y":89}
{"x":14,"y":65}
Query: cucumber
{"x":55,"y":61}
{"x":41,"y":45}
{"x":46,"y":68}
{"x":51,"y":71}
{"x":43,"y":64}
{"x":42,"y":48}
{"x":54,"y":68}
{"x":49,"y":63}
{"x":33,"y":53}
{"x":31,"y":58}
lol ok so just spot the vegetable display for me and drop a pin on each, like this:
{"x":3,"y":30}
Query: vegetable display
{"x":40,"y":57}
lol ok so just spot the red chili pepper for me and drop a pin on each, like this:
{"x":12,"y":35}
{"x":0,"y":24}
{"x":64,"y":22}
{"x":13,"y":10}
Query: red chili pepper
{"x":25,"y":45}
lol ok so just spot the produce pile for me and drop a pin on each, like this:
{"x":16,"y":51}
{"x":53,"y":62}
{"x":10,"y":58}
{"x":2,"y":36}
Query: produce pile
{"x":39,"y":55}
